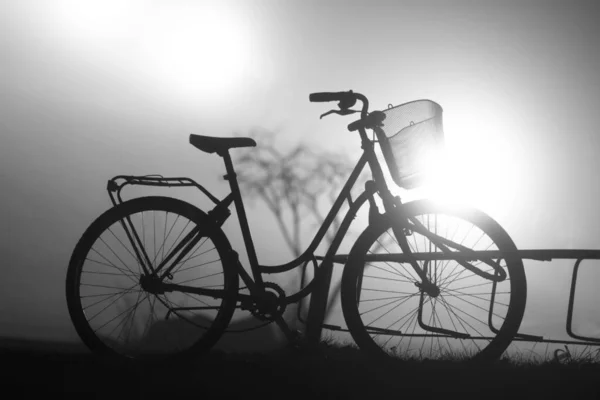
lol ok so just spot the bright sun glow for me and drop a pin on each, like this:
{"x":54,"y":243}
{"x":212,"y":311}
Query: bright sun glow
{"x":476,"y":168}
{"x":199,"y":49}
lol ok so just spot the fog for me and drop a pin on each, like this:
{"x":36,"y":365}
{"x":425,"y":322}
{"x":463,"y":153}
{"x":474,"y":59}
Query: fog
{"x":116,"y":87}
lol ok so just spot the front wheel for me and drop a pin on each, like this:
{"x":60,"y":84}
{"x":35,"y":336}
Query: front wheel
{"x":472,"y":318}
{"x":119,"y":313}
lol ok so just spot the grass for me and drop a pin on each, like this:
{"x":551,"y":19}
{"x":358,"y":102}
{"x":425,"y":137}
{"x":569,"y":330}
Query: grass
{"x":329,"y":370}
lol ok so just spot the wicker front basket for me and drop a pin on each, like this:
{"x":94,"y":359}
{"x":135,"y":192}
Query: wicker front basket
{"x":411,"y":136}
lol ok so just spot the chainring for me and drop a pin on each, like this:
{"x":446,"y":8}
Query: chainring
{"x":274,"y":305}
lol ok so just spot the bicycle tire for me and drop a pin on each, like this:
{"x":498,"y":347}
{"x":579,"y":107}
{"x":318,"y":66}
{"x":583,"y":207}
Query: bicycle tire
{"x":102,"y":270}
{"x":425,"y":312}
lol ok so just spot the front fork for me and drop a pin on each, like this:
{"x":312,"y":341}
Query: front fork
{"x":425,"y":285}
{"x":400,"y":232}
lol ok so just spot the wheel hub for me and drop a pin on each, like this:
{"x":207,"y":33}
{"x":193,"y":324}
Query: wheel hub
{"x":152,"y":284}
{"x":430,"y":288}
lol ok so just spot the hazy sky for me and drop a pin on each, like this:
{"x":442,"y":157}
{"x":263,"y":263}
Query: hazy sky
{"x":90,"y":90}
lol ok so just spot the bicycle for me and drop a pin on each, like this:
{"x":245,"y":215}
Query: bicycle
{"x":452,"y":301}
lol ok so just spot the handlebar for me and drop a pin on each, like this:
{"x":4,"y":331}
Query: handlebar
{"x":322,"y":97}
{"x":346,"y":100}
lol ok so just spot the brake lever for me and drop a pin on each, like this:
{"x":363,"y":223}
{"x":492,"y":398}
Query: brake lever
{"x":340,"y":112}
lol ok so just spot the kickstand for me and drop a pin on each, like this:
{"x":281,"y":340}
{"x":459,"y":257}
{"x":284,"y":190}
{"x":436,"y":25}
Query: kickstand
{"x":294,"y":337}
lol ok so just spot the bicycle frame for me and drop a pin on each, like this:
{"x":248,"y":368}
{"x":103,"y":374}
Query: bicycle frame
{"x":220,"y":212}
{"x":254,"y":282}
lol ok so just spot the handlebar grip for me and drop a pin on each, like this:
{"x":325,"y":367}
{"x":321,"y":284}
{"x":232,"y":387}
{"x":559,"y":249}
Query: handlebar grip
{"x":328,"y":96}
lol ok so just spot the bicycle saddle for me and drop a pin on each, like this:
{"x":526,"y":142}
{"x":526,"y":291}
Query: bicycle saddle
{"x":211,"y":144}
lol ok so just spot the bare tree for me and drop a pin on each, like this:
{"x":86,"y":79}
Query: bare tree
{"x":295,"y":185}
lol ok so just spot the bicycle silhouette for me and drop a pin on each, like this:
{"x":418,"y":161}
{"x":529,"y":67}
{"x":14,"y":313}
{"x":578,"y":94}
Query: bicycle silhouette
{"x":418,"y":282}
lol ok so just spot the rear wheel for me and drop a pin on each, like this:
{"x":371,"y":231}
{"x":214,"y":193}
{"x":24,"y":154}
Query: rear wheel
{"x":472,"y":317}
{"x":116,"y":310}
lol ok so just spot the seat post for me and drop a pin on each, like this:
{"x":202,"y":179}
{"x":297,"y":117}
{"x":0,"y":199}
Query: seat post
{"x":241,"y":212}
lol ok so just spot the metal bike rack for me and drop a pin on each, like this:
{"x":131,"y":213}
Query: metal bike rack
{"x":538,"y":255}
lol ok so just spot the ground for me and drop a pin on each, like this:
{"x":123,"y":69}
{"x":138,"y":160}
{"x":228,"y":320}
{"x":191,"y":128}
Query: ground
{"x":325,"y":372}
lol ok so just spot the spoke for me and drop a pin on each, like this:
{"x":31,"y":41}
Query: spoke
{"x":193,"y":255}
{"x":447,"y":262}
{"x":162,"y":247}
{"x":461,"y":320}
{"x":474,"y":295}
{"x":133,"y":316}
{"x":104,"y":273}
{"x":103,"y":286}
{"x":441,"y":326}
{"x":427,"y":332}
{"x":457,"y":274}
{"x":150,"y":320}
{"x":154,"y":234}
{"x":125,"y":247}
{"x":412,"y":313}
{"x":181,"y":250}
{"x":99,"y":295}
{"x":479,"y":239}
{"x":453,"y":324}
{"x":472,"y":286}
{"x":387,"y":279}
{"x":381,"y":306}
{"x":461,"y":243}
{"x":125,"y":272}
{"x":466,"y":313}
{"x":99,"y":301}
{"x":196,"y":266}
{"x":410,"y":277}
{"x":470,"y":294}
{"x":432,"y":322}
{"x":111,"y":303}
{"x":118,"y":325}
{"x":176,"y":239}
{"x":177,"y":333}
{"x":143,"y":231}
{"x":204,"y":252}
{"x":466,"y":270}
{"x":414,"y":323}
{"x":378,"y":299}
{"x":392,"y":309}
{"x":117,"y":316}
{"x":391,"y":266}
{"x":390,"y":291}
{"x":133,"y":273}
{"x":124,"y":320}
{"x":385,"y":270}
{"x":413,"y":316}
{"x":472,"y":307}
{"x":475,"y":305}
{"x":197,"y":279}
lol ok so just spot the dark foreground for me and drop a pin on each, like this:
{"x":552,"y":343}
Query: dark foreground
{"x":292,"y":374}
